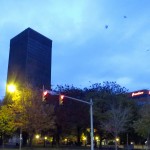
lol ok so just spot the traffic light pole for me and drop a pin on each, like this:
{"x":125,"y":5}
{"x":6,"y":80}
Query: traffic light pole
{"x":92,"y":130}
{"x":91,"y":114}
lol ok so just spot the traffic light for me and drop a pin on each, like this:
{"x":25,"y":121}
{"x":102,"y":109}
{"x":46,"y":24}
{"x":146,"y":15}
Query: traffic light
{"x":61,"y":98}
{"x":44,"y":96}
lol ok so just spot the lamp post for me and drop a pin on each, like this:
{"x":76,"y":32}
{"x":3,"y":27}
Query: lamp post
{"x":20,"y":139}
{"x":11,"y":88}
{"x":91,"y":113}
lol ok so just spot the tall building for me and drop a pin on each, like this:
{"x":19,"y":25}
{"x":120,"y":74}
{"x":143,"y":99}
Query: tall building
{"x":30,"y":59}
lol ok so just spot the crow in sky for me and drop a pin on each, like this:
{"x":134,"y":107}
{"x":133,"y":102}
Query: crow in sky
{"x":124,"y":16}
{"x":106,"y":26}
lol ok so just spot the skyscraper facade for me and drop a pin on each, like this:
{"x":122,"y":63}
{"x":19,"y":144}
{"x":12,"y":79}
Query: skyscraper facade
{"x":30,"y":59}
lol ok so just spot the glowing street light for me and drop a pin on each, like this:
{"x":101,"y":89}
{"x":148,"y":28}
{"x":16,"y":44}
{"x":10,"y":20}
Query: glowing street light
{"x":97,"y":138}
{"x":11,"y":88}
{"x":117,"y":139}
{"x":84,"y":138}
{"x":37,"y":136}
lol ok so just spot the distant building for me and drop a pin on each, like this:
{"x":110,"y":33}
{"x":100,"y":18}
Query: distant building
{"x":30,"y":59}
{"x":141,"y":96}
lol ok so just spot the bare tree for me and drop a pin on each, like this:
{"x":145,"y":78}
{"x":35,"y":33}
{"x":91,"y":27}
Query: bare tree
{"x":116,"y":120}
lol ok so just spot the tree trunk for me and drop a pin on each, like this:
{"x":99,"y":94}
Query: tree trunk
{"x":58,"y":135}
{"x":78,"y":136}
{"x":57,"y":140}
{"x":3,"y":144}
{"x":30,"y":140}
{"x":24,"y":138}
{"x":100,"y":144}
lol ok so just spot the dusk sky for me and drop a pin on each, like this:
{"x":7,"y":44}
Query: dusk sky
{"x":93,"y":40}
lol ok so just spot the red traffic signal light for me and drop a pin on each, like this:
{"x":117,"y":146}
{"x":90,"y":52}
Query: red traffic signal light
{"x":44,"y":96}
{"x":61,"y":98}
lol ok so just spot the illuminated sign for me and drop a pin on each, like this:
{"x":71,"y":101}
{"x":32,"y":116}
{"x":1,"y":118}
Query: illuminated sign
{"x":137,"y":93}
{"x":140,"y":93}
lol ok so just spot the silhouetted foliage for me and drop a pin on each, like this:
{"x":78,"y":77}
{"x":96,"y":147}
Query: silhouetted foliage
{"x":72,"y":116}
{"x":142,"y":124}
{"x":109,"y":98}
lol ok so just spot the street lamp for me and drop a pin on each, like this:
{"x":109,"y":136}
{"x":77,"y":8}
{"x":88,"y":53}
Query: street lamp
{"x":117,"y":139}
{"x":37,"y":136}
{"x":11,"y":88}
{"x":91,"y":112}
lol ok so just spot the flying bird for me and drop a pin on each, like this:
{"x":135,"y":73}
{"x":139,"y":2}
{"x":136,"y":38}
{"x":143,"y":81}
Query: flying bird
{"x":106,"y":26}
{"x":124,"y":16}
